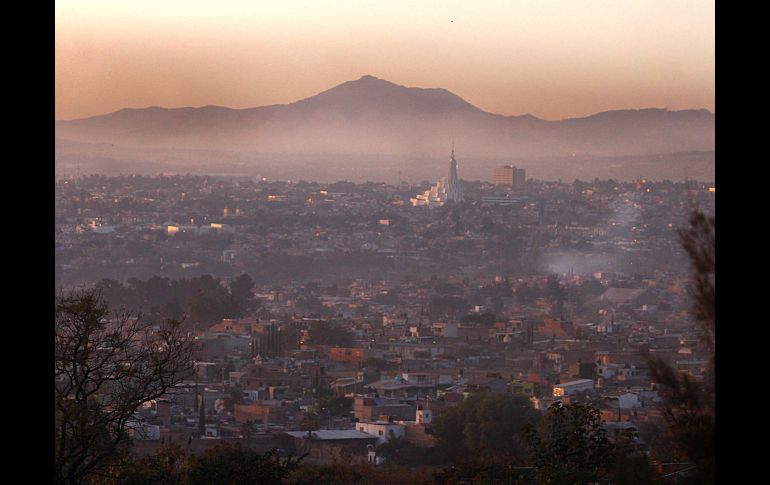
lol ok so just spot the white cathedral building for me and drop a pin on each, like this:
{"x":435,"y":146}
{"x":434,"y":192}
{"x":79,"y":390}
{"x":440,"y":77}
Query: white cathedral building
{"x":445,"y":189}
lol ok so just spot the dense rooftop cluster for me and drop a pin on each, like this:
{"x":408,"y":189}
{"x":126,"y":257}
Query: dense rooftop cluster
{"x":278,"y":232}
{"x":368,"y":319}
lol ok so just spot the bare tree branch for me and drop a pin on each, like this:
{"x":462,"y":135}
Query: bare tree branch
{"x":107,"y":365}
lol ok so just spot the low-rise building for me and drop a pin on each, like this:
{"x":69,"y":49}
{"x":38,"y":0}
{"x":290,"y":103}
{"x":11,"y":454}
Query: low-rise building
{"x":383,"y":430}
{"x":568,"y":388}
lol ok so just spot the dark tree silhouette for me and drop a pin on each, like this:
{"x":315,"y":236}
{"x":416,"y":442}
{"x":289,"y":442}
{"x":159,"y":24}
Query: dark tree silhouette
{"x":569,"y":446}
{"x":443,"y":305}
{"x":225,"y":464}
{"x":485,"y":423}
{"x":236,"y":466}
{"x":310,"y":422}
{"x":106,"y":366}
{"x":167,"y":467}
{"x":556,"y":293}
{"x":399,"y":451}
{"x":690,"y":404}
{"x":325,"y":333}
{"x":240,"y":289}
{"x":627,"y":465}
{"x":336,"y":405}
{"x":203,"y":299}
{"x":527,"y":294}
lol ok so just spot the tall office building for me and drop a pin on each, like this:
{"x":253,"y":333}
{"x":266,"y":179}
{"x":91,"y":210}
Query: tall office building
{"x":520,"y":177}
{"x":505,"y":175}
{"x":510,"y":176}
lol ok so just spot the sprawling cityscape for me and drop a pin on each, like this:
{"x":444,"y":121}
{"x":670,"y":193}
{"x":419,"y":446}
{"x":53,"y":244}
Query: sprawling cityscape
{"x":384,"y":243}
{"x":377,"y":313}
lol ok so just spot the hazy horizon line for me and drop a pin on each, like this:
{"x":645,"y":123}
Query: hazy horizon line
{"x":665,"y":108}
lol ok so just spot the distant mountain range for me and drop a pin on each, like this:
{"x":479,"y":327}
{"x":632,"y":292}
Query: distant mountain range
{"x":371,"y":117}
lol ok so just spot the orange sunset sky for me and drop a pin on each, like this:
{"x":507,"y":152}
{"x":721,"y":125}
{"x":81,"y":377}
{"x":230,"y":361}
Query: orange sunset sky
{"x":553,"y":59}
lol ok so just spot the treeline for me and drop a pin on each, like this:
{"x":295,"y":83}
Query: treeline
{"x":204,"y":300}
{"x":234,"y":465}
{"x":222,"y":464}
{"x":490,"y":438}
{"x":498,"y":438}
{"x":327,"y":333}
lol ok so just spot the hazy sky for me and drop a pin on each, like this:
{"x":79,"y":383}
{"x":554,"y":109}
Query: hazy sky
{"x":553,"y":59}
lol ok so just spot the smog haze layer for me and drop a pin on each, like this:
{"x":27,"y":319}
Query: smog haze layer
{"x":551,"y":59}
{"x":335,"y":90}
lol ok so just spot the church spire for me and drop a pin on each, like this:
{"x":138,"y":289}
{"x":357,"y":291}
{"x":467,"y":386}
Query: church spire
{"x":454,"y":189}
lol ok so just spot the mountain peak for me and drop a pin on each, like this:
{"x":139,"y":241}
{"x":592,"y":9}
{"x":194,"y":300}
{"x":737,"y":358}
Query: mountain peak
{"x":374,"y":96}
{"x":367,"y":81}
{"x":370,"y":115}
